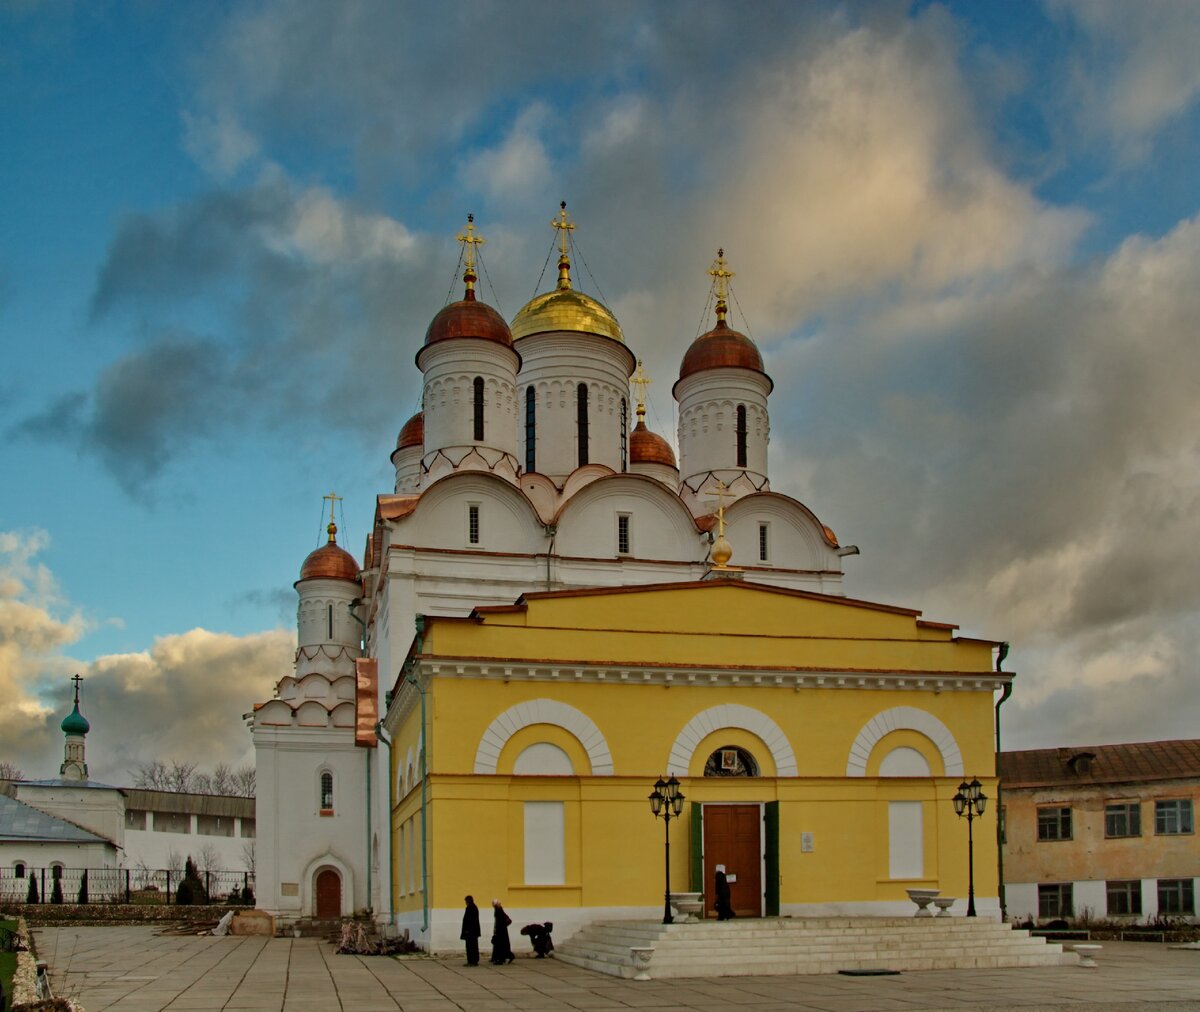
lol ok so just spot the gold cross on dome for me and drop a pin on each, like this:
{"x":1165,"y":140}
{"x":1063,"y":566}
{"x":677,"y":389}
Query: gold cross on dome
{"x":331,"y":530}
{"x":640,"y":380}
{"x":470,"y":240}
{"x":721,"y":492}
{"x":564,"y":227}
{"x":721,"y":275}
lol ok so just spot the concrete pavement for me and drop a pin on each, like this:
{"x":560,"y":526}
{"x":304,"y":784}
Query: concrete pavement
{"x":133,"y":969}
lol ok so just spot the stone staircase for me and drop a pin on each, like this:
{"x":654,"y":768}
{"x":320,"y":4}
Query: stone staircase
{"x":642,"y":950}
{"x":314,"y":927}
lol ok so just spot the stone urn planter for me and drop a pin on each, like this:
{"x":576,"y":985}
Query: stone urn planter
{"x":922,"y":898}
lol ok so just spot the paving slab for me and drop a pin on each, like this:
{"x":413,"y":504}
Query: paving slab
{"x":136,"y":969}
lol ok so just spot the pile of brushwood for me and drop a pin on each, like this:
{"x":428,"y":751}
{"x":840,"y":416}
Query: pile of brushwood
{"x":356,"y":942}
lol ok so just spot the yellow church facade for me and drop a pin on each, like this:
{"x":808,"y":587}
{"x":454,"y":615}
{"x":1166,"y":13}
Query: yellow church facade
{"x":818,"y":741}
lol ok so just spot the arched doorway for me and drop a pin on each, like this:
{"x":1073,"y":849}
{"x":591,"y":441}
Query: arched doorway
{"x":329,"y":894}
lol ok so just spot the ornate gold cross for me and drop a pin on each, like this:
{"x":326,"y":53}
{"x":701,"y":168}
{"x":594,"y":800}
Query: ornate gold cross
{"x":470,"y":240}
{"x":640,"y":380}
{"x":721,"y":492}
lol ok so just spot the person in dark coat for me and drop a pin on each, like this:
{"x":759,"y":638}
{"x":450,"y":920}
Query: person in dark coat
{"x":470,"y":931}
{"x":724,"y":907}
{"x":501,"y":946}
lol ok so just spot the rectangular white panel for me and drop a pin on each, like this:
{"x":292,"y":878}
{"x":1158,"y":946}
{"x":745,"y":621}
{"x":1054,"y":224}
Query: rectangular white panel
{"x":906,"y":840}
{"x":544,"y":843}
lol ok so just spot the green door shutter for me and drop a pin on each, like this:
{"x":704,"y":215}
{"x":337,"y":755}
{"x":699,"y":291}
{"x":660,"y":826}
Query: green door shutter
{"x":771,"y":834}
{"x":696,"y":832}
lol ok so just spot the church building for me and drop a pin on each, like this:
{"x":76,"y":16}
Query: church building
{"x":553,"y":611}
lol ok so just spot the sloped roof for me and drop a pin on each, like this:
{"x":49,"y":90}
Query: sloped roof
{"x":1108,"y":764}
{"x":21,"y":822}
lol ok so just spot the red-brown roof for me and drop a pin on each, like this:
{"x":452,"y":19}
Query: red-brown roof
{"x":413,"y":433}
{"x":646,"y":447}
{"x":468,"y":318}
{"x":1109,"y":764}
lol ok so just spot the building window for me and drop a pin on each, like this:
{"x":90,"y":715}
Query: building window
{"x":622,"y":533}
{"x":478,"y":409}
{"x":731,"y":761}
{"x":1123,"y":819}
{"x":1176,"y":896}
{"x":56,"y":871}
{"x":1173,"y":817}
{"x":135,"y":819}
{"x":172,"y":822}
{"x":248,"y":829}
{"x":581,"y":421}
{"x":530,"y":429}
{"x":1054,"y":900}
{"x":214,"y":825}
{"x":1002,"y":825}
{"x":1124,"y":898}
{"x":764,"y":545}
{"x":741,"y":435}
{"x":473,"y":523}
{"x":19,"y":870}
{"x":624,"y":435}
{"x":1054,"y":823}
{"x":329,"y":619}
{"x":326,"y":792}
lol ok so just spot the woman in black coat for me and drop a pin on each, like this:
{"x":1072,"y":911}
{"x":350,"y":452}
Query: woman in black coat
{"x":723,"y":904}
{"x":470,"y":931}
{"x":501,"y":946}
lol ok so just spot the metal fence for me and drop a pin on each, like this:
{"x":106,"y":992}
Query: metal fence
{"x":123,"y":885}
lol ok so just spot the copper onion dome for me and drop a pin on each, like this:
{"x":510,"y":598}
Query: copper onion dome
{"x":722,"y":347}
{"x":468,"y":318}
{"x":646,"y":447}
{"x":413,"y":433}
{"x":330,"y":561}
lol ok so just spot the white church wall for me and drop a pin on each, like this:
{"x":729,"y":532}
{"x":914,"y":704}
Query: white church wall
{"x":659,"y":525}
{"x":794,"y":536}
{"x":707,"y":433}
{"x":153,"y":849}
{"x":98,"y":809}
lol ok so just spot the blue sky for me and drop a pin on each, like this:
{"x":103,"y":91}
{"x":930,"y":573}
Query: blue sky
{"x":965,"y":239}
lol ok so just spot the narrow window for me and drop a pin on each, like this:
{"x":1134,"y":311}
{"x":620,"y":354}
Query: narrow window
{"x":478,"y":408}
{"x":622,"y":533}
{"x":473,"y":524}
{"x":741,"y":435}
{"x":1124,"y":898}
{"x":1054,"y":824}
{"x":1055,"y":899}
{"x":624,"y":435}
{"x":329,"y":616}
{"x":1173,"y":817}
{"x":1002,"y":825}
{"x":56,"y":871}
{"x":18,"y":870}
{"x":581,"y":423}
{"x":1176,"y":896}
{"x":326,"y":791}
{"x":1123,"y":819}
{"x":530,"y":430}
{"x":763,"y":544}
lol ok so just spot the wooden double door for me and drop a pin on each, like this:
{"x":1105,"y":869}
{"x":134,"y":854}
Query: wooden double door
{"x":328,"y":894}
{"x":733,"y":836}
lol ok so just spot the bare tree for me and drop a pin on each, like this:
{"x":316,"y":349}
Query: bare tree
{"x":181,"y":775}
{"x":248,"y":855}
{"x":10,"y":771}
{"x":244,"y":780}
{"x":208,"y":858}
{"x":174,"y":861}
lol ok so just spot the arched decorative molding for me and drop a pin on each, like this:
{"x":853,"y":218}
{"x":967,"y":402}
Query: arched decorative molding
{"x":904,"y":762}
{"x":544,"y":711}
{"x":716,"y":718}
{"x":543,"y":758}
{"x":308,"y":899}
{"x":904,"y":718}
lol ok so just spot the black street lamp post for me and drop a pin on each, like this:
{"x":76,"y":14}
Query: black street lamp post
{"x":970,"y":801}
{"x":667,"y":802}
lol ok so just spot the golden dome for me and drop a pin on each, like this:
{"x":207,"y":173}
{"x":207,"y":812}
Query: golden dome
{"x":413,"y":433}
{"x":330,"y":561}
{"x":566,"y":309}
{"x":646,"y":447}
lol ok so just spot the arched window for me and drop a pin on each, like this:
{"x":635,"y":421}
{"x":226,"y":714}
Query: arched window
{"x":479,"y":408}
{"x":624,"y":434}
{"x":19,"y":869}
{"x":326,"y":791}
{"x":741,"y":435}
{"x":329,"y":617}
{"x":582,"y":422}
{"x":56,"y":871}
{"x":731,"y":761}
{"x":530,"y":430}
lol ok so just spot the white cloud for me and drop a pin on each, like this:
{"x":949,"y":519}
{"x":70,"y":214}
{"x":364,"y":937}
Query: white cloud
{"x":1136,"y":69}
{"x":183,"y":697}
{"x":518,"y":167}
{"x":218,"y":143}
